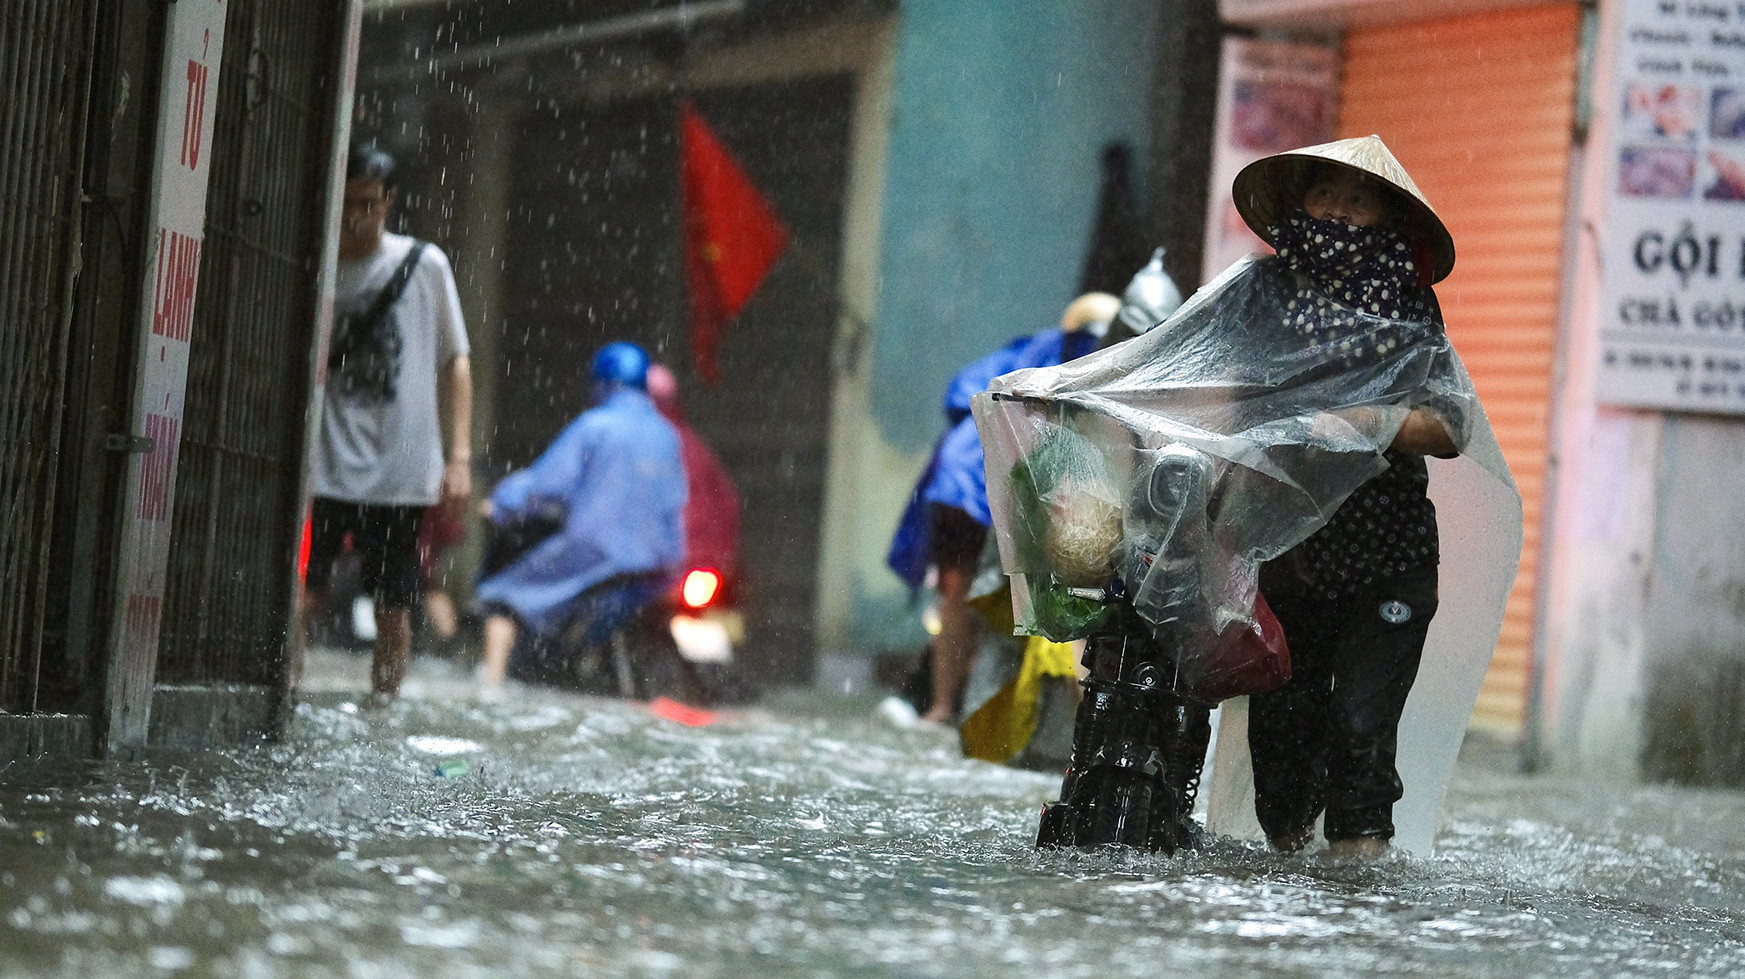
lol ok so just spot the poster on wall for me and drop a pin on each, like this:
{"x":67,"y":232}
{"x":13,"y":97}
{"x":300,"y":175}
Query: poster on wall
{"x":1272,"y":96}
{"x":1672,"y":333}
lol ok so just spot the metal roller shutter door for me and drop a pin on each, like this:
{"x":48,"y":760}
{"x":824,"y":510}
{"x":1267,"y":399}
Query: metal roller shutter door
{"x":1478,"y":108}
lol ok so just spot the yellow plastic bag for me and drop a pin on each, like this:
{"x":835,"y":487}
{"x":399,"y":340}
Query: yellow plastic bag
{"x":1000,"y":728}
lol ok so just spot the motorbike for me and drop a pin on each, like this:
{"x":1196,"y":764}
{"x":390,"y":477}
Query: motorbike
{"x":1139,"y":742}
{"x":1156,"y":668}
{"x":649,"y":637}
{"x":706,"y":626}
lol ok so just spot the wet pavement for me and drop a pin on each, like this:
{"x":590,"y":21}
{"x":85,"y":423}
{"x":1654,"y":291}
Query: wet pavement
{"x":799,"y":837}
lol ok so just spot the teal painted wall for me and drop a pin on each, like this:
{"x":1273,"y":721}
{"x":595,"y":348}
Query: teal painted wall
{"x":999,"y":114}
{"x":1000,"y":110}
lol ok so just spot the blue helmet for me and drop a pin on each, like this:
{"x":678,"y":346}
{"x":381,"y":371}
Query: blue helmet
{"x":622,"y":363}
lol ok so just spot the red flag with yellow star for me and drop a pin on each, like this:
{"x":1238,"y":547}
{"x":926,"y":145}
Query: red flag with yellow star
{"x":732,"y":236}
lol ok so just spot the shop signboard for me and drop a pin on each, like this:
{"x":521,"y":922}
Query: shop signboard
{"x":1272,"y":96}
{"x":193,"y":51}
{"x":1672,"y":330}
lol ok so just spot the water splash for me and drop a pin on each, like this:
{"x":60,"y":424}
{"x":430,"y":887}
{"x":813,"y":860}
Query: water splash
{"x":798,"y":838}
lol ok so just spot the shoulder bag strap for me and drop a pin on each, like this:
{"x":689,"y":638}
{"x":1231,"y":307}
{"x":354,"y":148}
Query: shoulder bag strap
{"x":390,"y":293}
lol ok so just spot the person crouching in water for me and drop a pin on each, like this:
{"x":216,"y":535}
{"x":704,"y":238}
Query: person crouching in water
{"x":1356,"y":597}
{"x":611,"y":493}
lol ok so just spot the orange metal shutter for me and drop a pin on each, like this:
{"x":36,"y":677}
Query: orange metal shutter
{"x":1478,"y":108}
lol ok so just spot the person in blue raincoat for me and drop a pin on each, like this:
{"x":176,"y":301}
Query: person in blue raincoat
{"x":613,"y":485}
{"x":1149,"y":299}
{"x":946,"y":521}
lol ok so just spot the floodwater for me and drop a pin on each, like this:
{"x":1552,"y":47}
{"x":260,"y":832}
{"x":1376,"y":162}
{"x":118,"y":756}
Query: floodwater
{"x":796,"y":838}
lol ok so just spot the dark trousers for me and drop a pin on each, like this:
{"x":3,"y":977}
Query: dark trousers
{"x":1327,"y":738}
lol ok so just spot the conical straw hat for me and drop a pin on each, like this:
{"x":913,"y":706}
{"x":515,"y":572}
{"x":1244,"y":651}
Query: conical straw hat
{"x":1275,"y":184}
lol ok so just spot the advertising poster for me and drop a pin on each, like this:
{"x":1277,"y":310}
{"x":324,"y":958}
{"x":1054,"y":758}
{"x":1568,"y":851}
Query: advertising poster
{"x":1272,"y":96}
{"x":1672,"y":333}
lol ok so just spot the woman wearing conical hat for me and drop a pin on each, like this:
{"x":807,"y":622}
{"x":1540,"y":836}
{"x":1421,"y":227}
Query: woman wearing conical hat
{"x":1314,"y":383}
{"x":1355,"y":598}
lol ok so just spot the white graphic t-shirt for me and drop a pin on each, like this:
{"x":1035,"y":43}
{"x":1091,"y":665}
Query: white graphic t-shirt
{"x":381,"y":436}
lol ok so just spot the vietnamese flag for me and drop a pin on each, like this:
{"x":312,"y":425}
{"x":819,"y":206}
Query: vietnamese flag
{"x":732,"y":236}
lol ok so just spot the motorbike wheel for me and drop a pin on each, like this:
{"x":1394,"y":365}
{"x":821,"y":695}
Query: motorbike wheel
{"x":1056,"y":828}
{"x":1121,"y":810}
{"x":623,"y":662}
{"x":588,"y":669}
{"x":1189,"y":735}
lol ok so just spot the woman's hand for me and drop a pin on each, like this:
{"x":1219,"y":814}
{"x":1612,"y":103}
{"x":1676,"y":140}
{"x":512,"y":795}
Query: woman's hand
{"x":1424,"y":433}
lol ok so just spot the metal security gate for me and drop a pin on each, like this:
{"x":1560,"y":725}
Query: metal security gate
{"x":45,"y":67}
{"x":80,"y":87}
{"x":236,"y":517}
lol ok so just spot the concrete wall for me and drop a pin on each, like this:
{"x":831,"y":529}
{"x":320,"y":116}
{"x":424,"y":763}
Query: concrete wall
{"x":986,"y":128}
{"x":1693,"y":696}
{"x":1645,"y":649}
{"x":1641,"y":653}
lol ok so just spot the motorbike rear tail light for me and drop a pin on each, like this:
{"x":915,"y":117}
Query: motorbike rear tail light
{"x":700,"y":587}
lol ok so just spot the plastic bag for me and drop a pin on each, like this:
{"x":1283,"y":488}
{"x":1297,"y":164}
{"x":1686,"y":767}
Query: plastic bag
{"x":1219,"y":440}
{"x":1254,"y":658}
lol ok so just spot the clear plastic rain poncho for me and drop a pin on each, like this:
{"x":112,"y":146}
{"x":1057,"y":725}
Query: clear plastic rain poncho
{"x":1176,"y":462}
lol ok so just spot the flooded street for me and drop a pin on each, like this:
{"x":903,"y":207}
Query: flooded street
{"x":798,"y":837}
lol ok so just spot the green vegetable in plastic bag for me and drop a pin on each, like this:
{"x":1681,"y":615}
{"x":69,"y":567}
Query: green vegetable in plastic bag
{"x":1068,"y":523}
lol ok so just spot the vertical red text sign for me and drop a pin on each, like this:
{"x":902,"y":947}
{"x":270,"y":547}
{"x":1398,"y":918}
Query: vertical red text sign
{"x":193,"y":114}
{"x":143,"y":613}
{"x":178,"y":274}
{"x":154,"y":477}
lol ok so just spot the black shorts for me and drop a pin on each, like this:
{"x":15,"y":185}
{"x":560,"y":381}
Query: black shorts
{"x":385,"y":538}
{"x":957,"y":538}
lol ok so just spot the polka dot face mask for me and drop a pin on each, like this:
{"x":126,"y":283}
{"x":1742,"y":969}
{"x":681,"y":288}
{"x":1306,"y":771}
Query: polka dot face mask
{"x":1368,"y":271}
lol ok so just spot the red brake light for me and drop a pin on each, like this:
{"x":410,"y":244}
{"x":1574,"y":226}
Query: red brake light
{"x":700,"y":587}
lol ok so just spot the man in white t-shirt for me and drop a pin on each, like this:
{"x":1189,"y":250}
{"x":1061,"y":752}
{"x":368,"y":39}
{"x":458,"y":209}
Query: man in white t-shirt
{"x":398,"y":390}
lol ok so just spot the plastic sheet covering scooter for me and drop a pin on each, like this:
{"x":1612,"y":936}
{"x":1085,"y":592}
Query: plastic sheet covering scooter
{"x":1167,"y":468}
